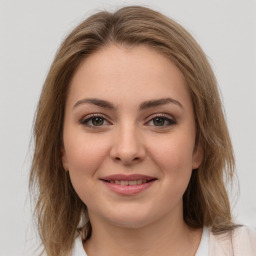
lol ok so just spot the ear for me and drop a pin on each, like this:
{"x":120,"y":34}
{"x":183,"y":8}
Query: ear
{"x":198,"y":155}
{"x":64,"y":159}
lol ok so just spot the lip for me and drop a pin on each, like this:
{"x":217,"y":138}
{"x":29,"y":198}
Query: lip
{"x":128,"y":189}
{"x":127,"y":177}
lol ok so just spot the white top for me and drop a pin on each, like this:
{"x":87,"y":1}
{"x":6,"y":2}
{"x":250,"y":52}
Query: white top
{"x":202,"y":250}
{"x":78,"y":249}
{"x":240,"y":242}
{"x":204,"y":244}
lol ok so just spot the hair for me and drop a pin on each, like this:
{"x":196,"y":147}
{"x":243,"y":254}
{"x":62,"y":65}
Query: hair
{"x":58,"y":208}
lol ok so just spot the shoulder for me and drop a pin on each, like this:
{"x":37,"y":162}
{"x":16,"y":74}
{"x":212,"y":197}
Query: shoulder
{"x":240,"y":241}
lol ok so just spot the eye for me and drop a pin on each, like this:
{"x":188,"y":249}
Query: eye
{"x":161,"y":120}
{"x":94,"y":120}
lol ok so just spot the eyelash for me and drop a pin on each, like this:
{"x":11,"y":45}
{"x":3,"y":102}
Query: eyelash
{"x":166,"y":118}
{"x":90,"y":118}
{"x":171,"y":121}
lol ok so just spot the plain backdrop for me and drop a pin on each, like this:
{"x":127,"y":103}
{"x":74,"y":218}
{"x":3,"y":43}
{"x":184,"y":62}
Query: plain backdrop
{"x":30,"y":33}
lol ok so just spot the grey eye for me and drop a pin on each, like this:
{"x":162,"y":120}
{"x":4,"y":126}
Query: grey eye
{"x":159,"y":121}
{"x":94,"y":121}
{"x":97,"y":121}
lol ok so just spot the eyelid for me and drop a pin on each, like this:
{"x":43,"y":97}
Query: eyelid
{"x":167,"y":117}
{"x":87,"y":118}
{"x":162,"y":115}
{"x":84,"y":121}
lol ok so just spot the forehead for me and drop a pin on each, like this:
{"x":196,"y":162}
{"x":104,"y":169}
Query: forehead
{"x":140,"y":59}
{"x":118,"y":72}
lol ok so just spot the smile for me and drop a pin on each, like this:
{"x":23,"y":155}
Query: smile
{"x":128,"y":184}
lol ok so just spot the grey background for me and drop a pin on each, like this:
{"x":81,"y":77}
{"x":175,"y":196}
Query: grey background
{"x":31,"y":31}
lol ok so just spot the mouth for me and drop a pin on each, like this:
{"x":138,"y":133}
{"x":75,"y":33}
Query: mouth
{"x":128,"y":180}
{"x":128,"y":184}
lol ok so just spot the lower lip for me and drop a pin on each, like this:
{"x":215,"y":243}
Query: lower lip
{"x":130,"y":189}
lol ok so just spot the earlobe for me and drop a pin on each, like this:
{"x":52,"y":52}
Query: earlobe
{"x":197,"y":157}
{"x":64,"y":159}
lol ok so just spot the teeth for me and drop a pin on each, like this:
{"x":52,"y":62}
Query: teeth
{"x":128,"y":183}
{"x":132,"y":182}
{"x":124,"y":182}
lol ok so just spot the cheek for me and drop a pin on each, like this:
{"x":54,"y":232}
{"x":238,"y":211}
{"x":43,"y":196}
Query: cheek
{"x":174,"y":156}
{"x":85,"y":154}
{"x":85,"y":157}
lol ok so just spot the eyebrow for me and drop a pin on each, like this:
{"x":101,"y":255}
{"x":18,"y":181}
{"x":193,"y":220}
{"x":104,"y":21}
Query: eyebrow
{"x":144,"y":105}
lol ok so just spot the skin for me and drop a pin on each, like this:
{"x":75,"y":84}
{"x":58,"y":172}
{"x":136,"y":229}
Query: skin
{"x":129,"y":140}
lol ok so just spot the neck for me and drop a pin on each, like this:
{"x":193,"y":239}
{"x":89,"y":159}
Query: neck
{"x":165,"y":235}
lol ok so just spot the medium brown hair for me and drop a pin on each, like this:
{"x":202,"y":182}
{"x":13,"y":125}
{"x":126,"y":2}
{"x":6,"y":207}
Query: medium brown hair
{"x":58,"y":207}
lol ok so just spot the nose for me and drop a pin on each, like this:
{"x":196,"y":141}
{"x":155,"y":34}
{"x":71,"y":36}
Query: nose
{"x":127,"y":146}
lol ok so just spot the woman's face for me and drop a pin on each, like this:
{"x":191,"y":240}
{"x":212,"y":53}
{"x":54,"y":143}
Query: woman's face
{"x":129,"y":136}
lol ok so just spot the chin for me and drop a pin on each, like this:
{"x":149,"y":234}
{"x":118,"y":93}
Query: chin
{"x":131,"y":223}
{"x":131,"y":219}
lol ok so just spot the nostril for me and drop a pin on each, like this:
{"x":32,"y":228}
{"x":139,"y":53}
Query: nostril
{"x":123,"y":159}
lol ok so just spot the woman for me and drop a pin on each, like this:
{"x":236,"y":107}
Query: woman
{"x":131,"y":145}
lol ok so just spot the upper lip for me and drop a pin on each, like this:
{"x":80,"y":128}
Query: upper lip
{"x":128,"y":177}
